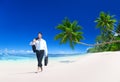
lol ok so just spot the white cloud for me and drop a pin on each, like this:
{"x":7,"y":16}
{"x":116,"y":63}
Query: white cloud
{"x":6,"y":51}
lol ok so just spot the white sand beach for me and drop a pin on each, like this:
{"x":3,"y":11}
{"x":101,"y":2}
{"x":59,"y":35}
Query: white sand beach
{"x":97,"y":67}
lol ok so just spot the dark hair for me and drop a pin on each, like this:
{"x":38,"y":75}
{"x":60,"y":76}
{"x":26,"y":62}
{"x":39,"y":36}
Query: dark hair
{"x":39,"y":33}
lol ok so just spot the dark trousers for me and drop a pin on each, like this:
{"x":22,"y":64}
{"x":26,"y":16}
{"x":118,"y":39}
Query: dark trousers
{"x":39,"y":55}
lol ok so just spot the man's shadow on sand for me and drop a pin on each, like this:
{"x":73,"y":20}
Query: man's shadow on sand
{"x":33,"y":72}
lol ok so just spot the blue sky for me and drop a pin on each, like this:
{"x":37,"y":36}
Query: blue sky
{"x":21,"y":20}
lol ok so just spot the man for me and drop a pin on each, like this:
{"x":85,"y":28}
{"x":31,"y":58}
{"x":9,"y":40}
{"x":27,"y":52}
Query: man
{"x":40,"y":47}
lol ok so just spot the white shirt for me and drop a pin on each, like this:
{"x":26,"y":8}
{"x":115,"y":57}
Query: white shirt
{"x":40,"y":44}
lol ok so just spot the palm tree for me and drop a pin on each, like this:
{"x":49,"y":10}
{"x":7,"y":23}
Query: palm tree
{"x":70,"y":32}
{"x":106,"y":24}
{"x":105,"y":21}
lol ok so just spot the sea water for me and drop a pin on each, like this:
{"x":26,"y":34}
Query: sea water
{"x":32,"y":56}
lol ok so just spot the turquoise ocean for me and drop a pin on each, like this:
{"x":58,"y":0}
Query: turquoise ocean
{"x":32,"y":56}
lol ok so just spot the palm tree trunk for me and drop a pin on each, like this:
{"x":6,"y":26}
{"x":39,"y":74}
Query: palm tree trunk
{"x":116,"y":41}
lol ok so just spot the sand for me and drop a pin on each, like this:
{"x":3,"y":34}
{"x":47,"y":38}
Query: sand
{"x":93,"y":67}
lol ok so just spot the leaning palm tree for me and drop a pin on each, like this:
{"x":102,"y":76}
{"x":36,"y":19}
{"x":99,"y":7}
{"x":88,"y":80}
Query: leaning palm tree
{"x":70,"y":32}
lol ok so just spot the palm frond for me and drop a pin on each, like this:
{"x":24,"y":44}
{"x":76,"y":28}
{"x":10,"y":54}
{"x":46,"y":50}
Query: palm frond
{"x":59,"y":36}
{"x":64,"y":39}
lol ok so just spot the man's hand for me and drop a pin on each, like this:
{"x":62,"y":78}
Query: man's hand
{"x":34,"y":40}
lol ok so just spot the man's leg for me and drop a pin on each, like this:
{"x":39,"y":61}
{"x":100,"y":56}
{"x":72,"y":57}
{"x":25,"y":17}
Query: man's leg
{"x":41,"y":58}
{"x":38,"y":59}
{"x":39,"y":55}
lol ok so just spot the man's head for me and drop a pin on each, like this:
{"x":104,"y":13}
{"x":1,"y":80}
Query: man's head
{"x":39,"y":35}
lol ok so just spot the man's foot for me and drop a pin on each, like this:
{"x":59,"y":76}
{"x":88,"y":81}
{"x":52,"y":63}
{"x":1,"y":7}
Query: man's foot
{"x":41,"y":69}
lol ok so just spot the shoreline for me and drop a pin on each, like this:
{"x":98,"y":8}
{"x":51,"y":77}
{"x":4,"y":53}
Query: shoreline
{"x":59,"y":58}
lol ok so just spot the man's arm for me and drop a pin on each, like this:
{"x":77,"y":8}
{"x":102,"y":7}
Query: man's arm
{"x":32,"y":43}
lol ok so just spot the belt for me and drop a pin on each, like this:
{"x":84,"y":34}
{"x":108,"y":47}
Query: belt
{"x":39,"y":50}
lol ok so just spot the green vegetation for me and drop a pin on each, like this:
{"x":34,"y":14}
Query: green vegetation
{"x":108,"y":40}
{"x":106,"y":24}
